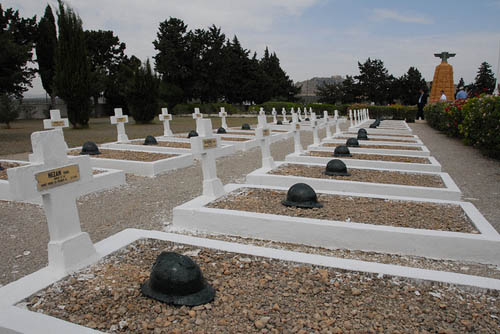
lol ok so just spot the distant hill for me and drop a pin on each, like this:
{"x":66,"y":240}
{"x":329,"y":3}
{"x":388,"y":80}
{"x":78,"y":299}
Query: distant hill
{"x":309,"y":86}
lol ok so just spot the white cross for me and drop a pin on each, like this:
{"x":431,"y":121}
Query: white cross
{"x":197,"y":114}
{"x":328,"y":130}
{"x":55,"y":121}
{"x":350,"y":116}
{"x":263,"y":134}
{"x":274,"y":113}
{"x":336,"y":119}
{"x":205,"y":145}
{"x":262,"y":112}
{"x":223,"y":115}
{"x":283,"y":112}
{"x":58,"y":178}
{"x":295,"y":128}
{"x":299,"y":114}
{"x":165,"y":117}
{"x":119,"y":119}
{"x":305,"y":113}
{"x":314,"y":125}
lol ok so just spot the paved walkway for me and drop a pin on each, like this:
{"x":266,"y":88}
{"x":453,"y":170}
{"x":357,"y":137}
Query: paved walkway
{"x":476,"y":175}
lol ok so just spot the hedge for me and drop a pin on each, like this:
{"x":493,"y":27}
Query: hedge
{"x":395,"y":111}
{"x":476,"y":121}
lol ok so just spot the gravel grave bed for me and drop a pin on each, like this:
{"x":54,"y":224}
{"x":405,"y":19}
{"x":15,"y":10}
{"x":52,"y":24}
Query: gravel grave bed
{"x":247,"y":133}
{"x":464,"y":267}
{"x":162,"y":143}
{"x":362,"y":175}
{"x":380,"y":157}
{"x":384,"y":139}
{"x":389,"y":147}
{"x":375,"y":211}
{"x":98,"y":171}
{"x":235,"y":139}
{"x":256,"y":294}
{"x":385,"y":135}
{"x":128,"y":155}
{"x":6,"y":165}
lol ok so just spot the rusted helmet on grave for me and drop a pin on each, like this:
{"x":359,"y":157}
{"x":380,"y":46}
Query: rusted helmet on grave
{"x":192,"y":133}
{"x":150,"y":140}
{"x":221,"y":130}
{"x":362,"y":131}
{"x":245,"y":126}
{"x":176,"y":279}
{"x":279,"y":123}
{"x":336,"y":167}
{"x":90,"y":148}
{"x":352,"y":142}
{"x":373,"y":126}
{"x":307,"y":119}
{"x":301,"y":195}
{"x":342,"y":151}
{"x":362,"y":136}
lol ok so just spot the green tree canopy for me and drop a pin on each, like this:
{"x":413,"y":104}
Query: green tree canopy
{"x":374,"y":81}
{"x":409,"y":86}
{"x":17,"y":37}
{"x":485,"y":80}
{"x":73,"y":76}
{"x":46,"y":45}
{"x":142,"y":94}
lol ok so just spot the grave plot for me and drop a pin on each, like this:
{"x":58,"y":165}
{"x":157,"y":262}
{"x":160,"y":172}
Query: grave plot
{"x":370,"y":160}
{"x":135,"y":161}
{"x":169,"y":145}
{"x":106,"y":296}
{"x":374,"y":142}
{"x":358,"y":180}
{"x":436,"y":229}
{"x":279,"y":132}
{"x":102,"y":179}
{"x":379,"y":139}
{"x":386,"y":148}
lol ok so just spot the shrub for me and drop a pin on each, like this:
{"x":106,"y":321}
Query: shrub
{"x":481,"y":124}
{"x":9,"y":109}
{"x":207,"y":108}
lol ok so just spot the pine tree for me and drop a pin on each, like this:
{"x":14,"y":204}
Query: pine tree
{"x":409,"y":86}
{"x":142,"y":95}
{"x":9,"y":110}
{"x":374,"y":81}
{"x":17,"y":36}
{"x":73,"y":77}
{"x":485,"y":80}
{"x":46,"y":45}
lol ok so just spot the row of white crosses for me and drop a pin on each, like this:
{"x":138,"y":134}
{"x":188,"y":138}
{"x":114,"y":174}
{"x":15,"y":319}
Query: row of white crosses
{"x":357,"y":117}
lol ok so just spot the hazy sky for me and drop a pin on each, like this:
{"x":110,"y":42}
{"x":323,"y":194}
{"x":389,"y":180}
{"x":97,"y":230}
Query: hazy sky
{"x":312,"y":37}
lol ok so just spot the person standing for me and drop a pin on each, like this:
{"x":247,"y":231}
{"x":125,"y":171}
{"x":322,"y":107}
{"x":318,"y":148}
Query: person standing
{"x":422,"y":101}
{"x":443,"y":97}
{"x":462,"y":94}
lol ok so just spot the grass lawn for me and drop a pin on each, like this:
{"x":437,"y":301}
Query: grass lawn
{"x":17,"y":139}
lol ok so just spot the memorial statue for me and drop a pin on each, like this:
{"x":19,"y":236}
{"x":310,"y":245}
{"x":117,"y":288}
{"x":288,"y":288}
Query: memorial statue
{"x":443,"y":78}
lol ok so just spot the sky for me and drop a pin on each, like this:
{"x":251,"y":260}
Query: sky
{"x":312,"y":38}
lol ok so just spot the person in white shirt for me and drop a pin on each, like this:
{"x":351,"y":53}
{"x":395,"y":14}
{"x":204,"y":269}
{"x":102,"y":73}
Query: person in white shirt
{"x":443,"y":97}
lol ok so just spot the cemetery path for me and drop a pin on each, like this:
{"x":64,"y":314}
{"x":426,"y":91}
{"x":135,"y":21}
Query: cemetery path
{"x":476,"y":175}
{"x":144,"y":203}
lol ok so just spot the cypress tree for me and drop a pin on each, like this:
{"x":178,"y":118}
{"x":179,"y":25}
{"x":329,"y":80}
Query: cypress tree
{"x":485,"y":80}
{"x":142,"y":97}
{"x":46,"y":45}
{"x":72,"y":79}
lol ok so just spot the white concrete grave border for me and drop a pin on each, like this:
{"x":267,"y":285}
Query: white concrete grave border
{"x":106,"y":180}
{"x":225,"y":149}
{"x":17,"y":320}
{"x":371,"y":141}
{"x":141,"y":168}
{"x":434,"y":165}
{"x":483,"y":247}
{"x":379,"y":131}
{"x":275,"y":136}
{"x":379,"y":136}
{"x":450,"y":191}
{"x":423,"y":153}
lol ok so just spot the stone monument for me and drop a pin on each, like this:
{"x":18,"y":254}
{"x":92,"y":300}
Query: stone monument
{"x":443,"y":79}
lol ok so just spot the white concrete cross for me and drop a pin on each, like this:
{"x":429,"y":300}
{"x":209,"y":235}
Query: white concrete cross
{"x":283,"y":112}
{"x":327,"y":121}
{"x":295,"y":128}
{"x":274,"y":113}
{"x":55,"y":121}
{"x":350,"y":117}
{"x":299,"y":114}
{"x":263,"y":134}
{"x":314,"y":125}
{"x":57,"y":178}
{"x":165,"y":117}
{"x":262,"y":112}
{"x":223,"y":115}
{"x":119,"y":119}
{"x":205,"y":145}
{"x":197,"y":114}
{"x":337,"y":123}
{"x":305,"y":113}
